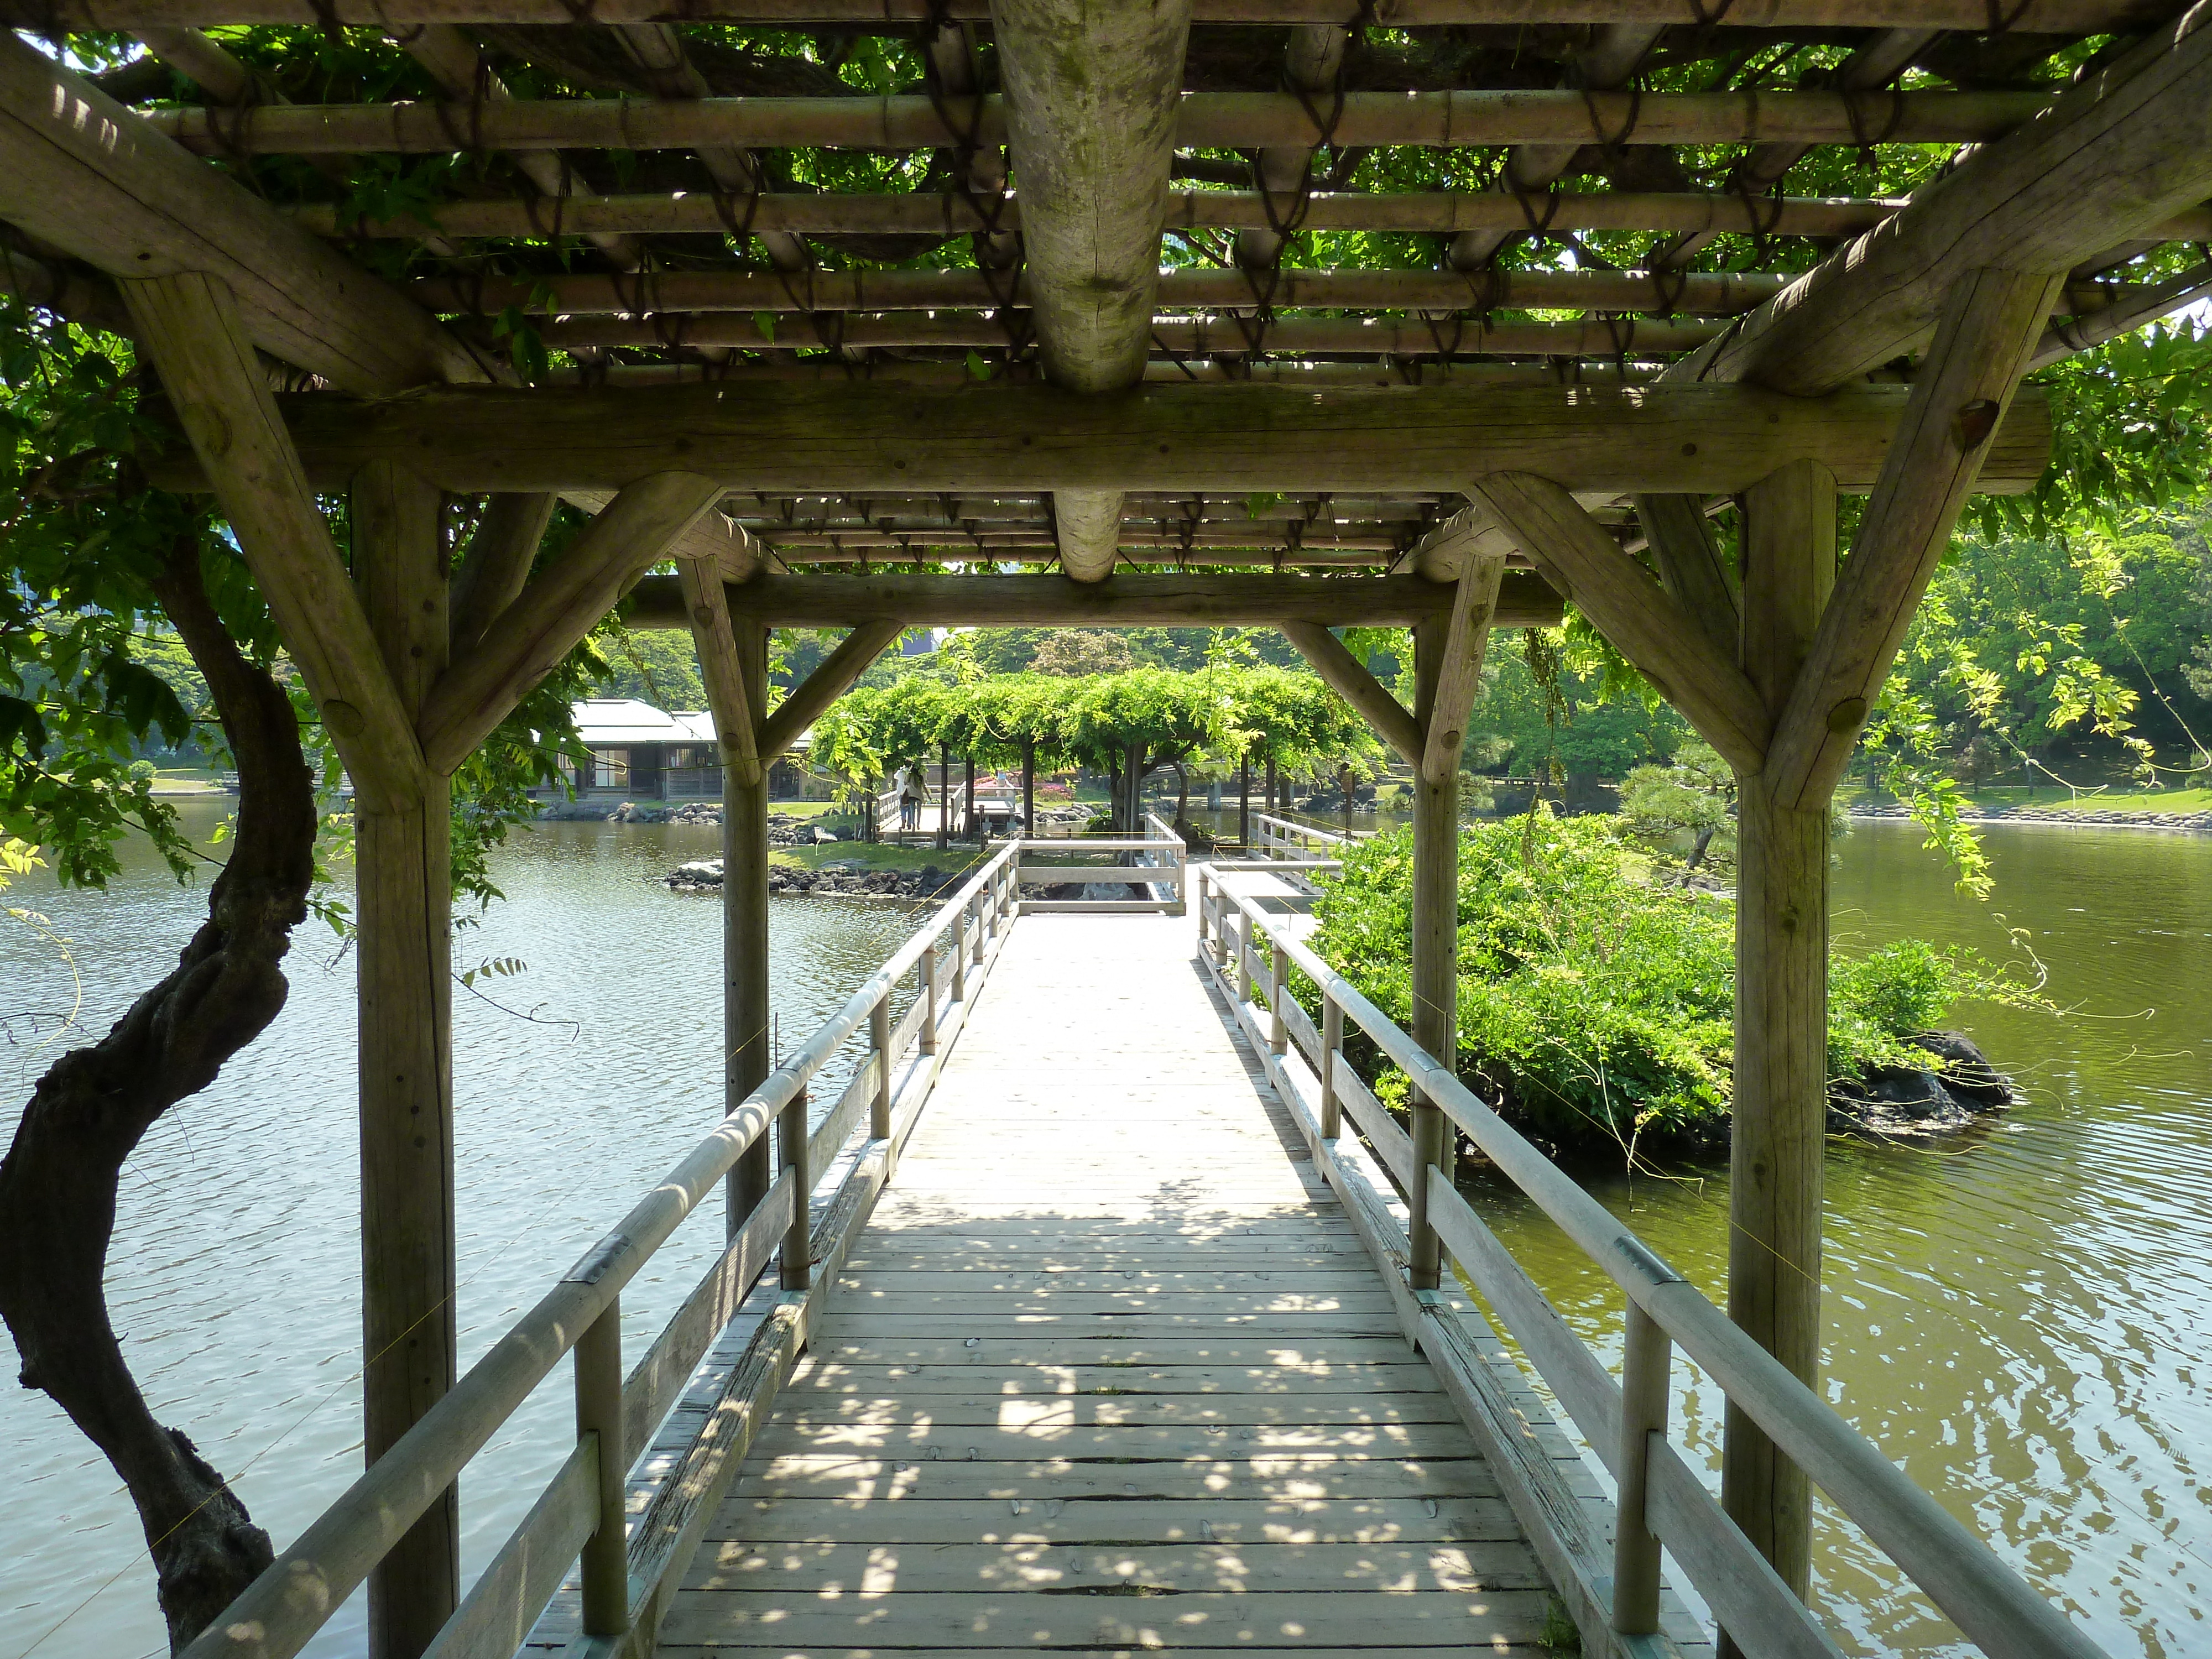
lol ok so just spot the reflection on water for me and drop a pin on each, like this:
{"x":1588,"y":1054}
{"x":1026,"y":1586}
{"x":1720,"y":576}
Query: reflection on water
{"x":236,"y":1264}
{"x":2018,"y":1319}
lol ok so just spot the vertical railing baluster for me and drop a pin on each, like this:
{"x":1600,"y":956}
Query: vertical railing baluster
{"x":879,"y":1035}
{"x":1646,"y":1357}
{"x":960,"y":957}
{"x":1244,"y":957}
{"x":797,"y":1264}
{"x":928,"y":966}
{"x":976,"y":910}
{"x":606,"y":1567}
{"x":1278,"y":1032}
{"x":1332,"y":1041}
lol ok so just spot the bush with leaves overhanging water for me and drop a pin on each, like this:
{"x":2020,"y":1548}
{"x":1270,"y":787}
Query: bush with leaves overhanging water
{"x":1597,"y":1007}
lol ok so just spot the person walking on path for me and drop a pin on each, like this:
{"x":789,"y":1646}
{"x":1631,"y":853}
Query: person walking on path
{"x":913,"y":791}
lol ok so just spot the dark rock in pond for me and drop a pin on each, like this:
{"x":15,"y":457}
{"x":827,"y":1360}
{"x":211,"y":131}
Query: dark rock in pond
{"x":1909,"y":1101}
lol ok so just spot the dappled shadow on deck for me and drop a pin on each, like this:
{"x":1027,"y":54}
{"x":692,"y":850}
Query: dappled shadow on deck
{"x":1108,"y":1372}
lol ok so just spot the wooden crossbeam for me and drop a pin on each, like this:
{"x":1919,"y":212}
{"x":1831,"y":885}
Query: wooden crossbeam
{"x":1237,"y":439}
{"x":937,"y":213}
{"x":1123,"y":601}
{"x":1665,"y":643}
{"x":526,"y":641}
{"x":2026,"y":16}
{"x":811,"y":698}
{"x":2123,"y":149}
{"x":200,"y":342}
{"x":1215,"y":120}
{"x":1990,"y":322}
{"x":1349,"y":678}
{"x":604,"y":294}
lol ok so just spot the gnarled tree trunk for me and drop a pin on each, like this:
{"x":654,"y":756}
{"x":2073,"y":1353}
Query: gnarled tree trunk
{"x":57,"y":1181}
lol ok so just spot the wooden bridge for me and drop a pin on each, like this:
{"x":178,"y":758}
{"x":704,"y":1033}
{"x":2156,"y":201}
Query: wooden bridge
{"x":1083,"y":1320}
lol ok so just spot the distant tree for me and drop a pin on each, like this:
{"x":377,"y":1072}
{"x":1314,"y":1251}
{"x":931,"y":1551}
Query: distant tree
{"x":1074,"y":652}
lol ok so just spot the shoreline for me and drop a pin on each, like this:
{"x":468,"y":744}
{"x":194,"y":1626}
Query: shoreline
{"x":2098,"y":819}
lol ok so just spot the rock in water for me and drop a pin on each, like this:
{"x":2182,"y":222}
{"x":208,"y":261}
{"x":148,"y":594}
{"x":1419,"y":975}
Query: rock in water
{"x":703,"y":873}
{"x":1894,"y":1101}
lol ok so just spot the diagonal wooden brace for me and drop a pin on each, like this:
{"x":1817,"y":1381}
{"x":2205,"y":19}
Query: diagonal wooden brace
{"x":1665,"y":643}
{"x":1992,"y":320}
{"x":557,"y":610}
{"x":1345,"y":675}
{"x":812,"y":696}
{"x":191,"y":325}
{"x":735,"y":726}
{"x":1459,"y":676}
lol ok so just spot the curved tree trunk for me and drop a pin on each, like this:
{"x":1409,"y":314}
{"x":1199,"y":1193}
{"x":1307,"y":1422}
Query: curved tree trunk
{"x":57,"y":1181}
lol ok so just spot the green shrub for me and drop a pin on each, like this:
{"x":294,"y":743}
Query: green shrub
{"x":1595,"y":1007}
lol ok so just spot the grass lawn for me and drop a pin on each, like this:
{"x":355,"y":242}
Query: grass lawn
{"x":880,"y":855}
{"x":186,"y":781}
{"x":807,"y":809}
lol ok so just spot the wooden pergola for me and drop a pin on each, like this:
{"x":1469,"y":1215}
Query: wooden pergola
{"x":869,"y":409}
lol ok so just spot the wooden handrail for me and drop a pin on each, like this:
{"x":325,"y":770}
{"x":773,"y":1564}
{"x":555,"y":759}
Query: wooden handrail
{"x":280,"y":1611}
{"x":1992,"y":1604}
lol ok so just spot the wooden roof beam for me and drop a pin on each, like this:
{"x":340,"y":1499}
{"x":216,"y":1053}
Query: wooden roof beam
{"x":937,"y":213}
{"x":1119,"y":601}
{"x":82,"y":172}
{"x":1090,"y":98}
{"x":897,"y":17}
{"x":815,"y":439}
{"x":2123,"y":149}
{"x":1223,"y":120}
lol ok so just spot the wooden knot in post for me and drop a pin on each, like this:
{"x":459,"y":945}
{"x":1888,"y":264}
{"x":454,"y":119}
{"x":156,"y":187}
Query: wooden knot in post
{"x":1846,"y":715}
{"x":343,"y":719}
{"x":1974,"y":424}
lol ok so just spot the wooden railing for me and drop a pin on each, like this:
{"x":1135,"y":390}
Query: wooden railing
{"x":1288,"y":838}
{"x":1663,"y":1500}
{"x":1158,"y":857}
{"x":628,"y":1573}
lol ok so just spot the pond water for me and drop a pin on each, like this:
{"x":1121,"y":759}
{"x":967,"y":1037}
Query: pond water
{"x":2019,"y":1317}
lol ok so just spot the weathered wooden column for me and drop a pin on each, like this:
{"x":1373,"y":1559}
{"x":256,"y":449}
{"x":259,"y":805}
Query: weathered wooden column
{"x":403,"y":946}
{"x":1775,"y":1203}
{"x":1436,"y":939}
{"x":745,"y":931}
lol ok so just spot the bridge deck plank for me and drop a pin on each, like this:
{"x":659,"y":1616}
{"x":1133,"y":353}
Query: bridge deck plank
{"x":1107,"y":1372}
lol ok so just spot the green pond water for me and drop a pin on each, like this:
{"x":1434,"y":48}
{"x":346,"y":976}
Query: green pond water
{"x":2020,"y":1316}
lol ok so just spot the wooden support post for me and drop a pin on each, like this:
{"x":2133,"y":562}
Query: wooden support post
{"x":795,"y":1261}
{"x":605,"y":1566}
{"x":736,"y":716}
{"x":1436,"y":950}
{"x":402,"y":888}
{"x":745,"y":934}
{"x":1781,"y":1017}
{"x":879,"y":1039}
